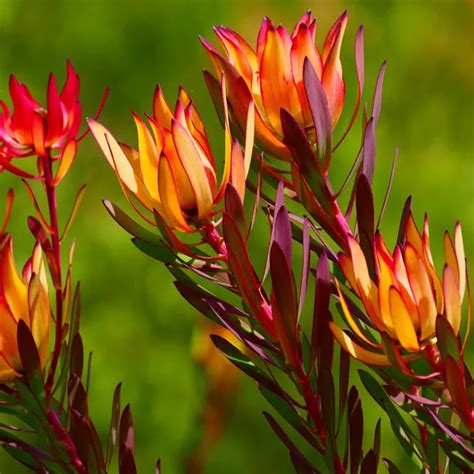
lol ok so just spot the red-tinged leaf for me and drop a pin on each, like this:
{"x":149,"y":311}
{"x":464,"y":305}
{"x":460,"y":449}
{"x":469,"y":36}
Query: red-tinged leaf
{"x":114,"y":425}
{"x":234,"y":207}
{"x":369,"y":151}
{"x":127,"y":443}
{"x":389,"y":188}
{"x":214,"y":88}
{"x":158,"y":467}
{"x":318,"y":104}
{"x":407,"y":210}
{"x":448,"y":341}
{"x":302,"y":154}
{"x":369,"y":464}
{"x":356,"y":428}
{"x":77,"y":396}
{"x":304,"y":267}
{"x":321,"y":337}
{"x":32,"y":196}
{"x":284,"y":305}
{"x":132,"y":227}
{"x":77,"y":357}
{"x":344,"y":373}
{"x":359,"y":62}
{"x":366,"y":220}
{"x":328,"y":406}
{"x":80,"y":435}
{"x":242,"y":362}
{"x":29,"y":356}
{"x":283,"y":238}
{"x":377,"y":104}
{"x":457,"y":388}
{"x":304,"y":465}
{"x":74,"y":210}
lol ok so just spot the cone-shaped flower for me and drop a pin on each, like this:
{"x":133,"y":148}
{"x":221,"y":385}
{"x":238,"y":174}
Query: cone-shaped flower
{"x":22,"y":297}
{"x":406,"y":296}
{"x":34,"y":129}
{"x":173,"y":172}
{"x":273,"y":75}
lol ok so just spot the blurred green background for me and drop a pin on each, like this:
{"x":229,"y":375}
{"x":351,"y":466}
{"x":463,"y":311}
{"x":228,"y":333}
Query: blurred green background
{"x":138,"y":328}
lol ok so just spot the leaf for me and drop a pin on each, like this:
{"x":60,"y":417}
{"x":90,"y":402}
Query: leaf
{"x":448,"y":342}
{"x":377,"y":102}
{"x":392,"y":469}
{"x":234,"y":208}
{"x":321,"y":336}
{"x":304,"y":465}
{"x":30,"y":358}
{"x":242,"y":362}
{"x":366,"y":220}
{"x":75,"y":208}
{"x":318,"y":104}
{"x":369,"y":151}
{"x":407,"y":210}
{"x":306,"y":255}
{"x":369,"y":464}
{"x":356,"y":427}
{"x":114,"y":424}
{"x":158,"y":252}
{"x":129,"y":224}
{"x":328,"y":406}
{"x":127,"y":443}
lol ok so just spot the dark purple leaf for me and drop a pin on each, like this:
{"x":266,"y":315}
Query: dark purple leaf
{"x":328,"y":405}
{"x":344,"y":372}
{"x":114,"y":424}
{"x":126,"y":443}
{"x":356,"y":428}
{"x":369,"y":151}
{"x":389,"y":187}
{"x":77,"y":357}
{"x":318,"y":104}
{"x":295,"y":453}
{"x":158,"y":467}
{"x":233,"y":207}
{"x":215,"y":92}
{"x":448,"y":342}
{"x":369,"y":464}
{"x":304,"y":267}
{"x":29,"y":356}
{"x":366,"y":220}
{"x":392,"y":469}
{"x":403,"y":222}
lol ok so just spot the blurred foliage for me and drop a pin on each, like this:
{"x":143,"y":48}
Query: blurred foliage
{"x":134,"y":322}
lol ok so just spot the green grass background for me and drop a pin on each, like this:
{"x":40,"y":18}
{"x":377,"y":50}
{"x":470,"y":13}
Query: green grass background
{"x":135,"y":324}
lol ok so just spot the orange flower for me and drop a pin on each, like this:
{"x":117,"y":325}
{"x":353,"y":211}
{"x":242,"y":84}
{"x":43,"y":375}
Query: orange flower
{"x":173,"y":172}
{"x":273,"y":75}
{"x":22,"y":297}
{"x":406,"y":297}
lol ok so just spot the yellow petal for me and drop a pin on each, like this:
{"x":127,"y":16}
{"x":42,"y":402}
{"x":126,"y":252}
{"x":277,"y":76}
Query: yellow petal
{"x":461,"y":259}
{"x":169,"y":196}
{"x":413,"y":235}
{"x":192,"y":163}
{"x":356,"y":351}
{"x":452,"y":298}
{"x":386,"y":281}
{"x":161,"y":110}
{"x":40,"y":315}
{"x":148,"y":156}
{"x":8,"y":338}
{"x":404,"y":327}
{"x":422,"y":291}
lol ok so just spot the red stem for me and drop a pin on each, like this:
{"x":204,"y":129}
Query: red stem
{"x":55,"y":272}
{"x":214,"y":239}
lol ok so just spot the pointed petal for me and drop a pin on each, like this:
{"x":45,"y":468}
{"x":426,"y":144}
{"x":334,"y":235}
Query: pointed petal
{"x":404,"y":328}
{"x":451,"y":298}
{"x":161,"y":110}
{"x":461,"y":259}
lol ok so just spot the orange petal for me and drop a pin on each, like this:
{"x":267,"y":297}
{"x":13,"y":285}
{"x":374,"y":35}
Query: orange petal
{"x":422,"y":291}
{"x":67,"y":158}
{"x":161,"y":110}
{"x":404,"y":328}
{"x":303,"y":47}
{"x":452,"y":298}
{"x":413,"y":235}
{"x":356,"y":351}
{"x":40,"y":315}
{"x":276,"y":80}
{"x":192,"y":162}
{"x":386,"y":282}
{"x":8,"y":341}
{"x":169,"y":196}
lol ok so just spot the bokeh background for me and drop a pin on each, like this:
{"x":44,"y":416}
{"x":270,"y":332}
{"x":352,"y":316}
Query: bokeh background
{"x":139,"y":330}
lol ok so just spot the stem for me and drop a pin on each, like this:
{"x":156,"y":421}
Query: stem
{"x":56,"y":270}
{"x":214,"y":239}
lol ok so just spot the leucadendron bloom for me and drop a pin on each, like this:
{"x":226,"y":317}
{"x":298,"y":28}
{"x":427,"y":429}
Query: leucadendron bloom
{"x":22,"y":297}
{"x":273,"y":75}
{"x":33,"y":129}
{"x":406,"y":296}
{"x":173,"y":171}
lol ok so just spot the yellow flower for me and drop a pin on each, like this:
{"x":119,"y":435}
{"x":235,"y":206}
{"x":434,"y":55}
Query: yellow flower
{"x":407,"y":295}
{"x":173,"y":172}
{"x":22,"y":297}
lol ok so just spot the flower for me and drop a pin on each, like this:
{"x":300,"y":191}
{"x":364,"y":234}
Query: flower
{"x":33,"y":129}
{"x":273,"y":75}
{"x":406,"y":295}
{"x":22,"y":297}
{"x":173,"y":172}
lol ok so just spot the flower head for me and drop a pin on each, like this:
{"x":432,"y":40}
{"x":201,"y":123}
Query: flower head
{"x":173,"y":171}
{"x":30,"y":128}
{"x":406,"y":295}
{"x":273,"y":75}
{"x":24,"y":298}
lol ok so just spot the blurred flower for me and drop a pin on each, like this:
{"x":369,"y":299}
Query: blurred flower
{"x":33,"y":129}
{"x":22,"y":297}
{"x":407,"y":295}
{"x":173,"y":171}
{"x":274,"y":75}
